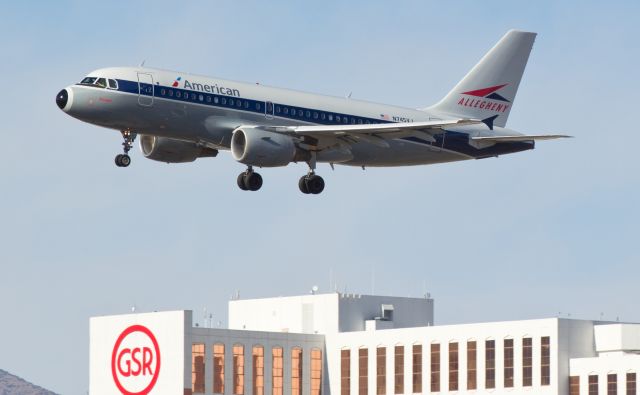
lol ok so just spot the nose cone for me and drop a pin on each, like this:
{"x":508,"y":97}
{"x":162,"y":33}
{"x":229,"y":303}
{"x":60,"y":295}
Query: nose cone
{"x":62,"y":98}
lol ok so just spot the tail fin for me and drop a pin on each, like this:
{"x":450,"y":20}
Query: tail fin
{"x":489,"y":89}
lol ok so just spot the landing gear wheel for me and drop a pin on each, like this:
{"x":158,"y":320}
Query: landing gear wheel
{"x":315,"y":184}
{"x":249,"y":181}
{"x":241,"y":182}
{"x":253,"y":181}
{"x":311,"y":184}
{"x":123,"y":160}
{"x":302,"y":184}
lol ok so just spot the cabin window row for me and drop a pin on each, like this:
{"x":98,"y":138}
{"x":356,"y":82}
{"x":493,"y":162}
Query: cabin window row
{"x":277,"y":110}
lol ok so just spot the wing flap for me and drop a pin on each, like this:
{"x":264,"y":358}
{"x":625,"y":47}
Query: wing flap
{"x":378,"y":130}
{"x":506,"y":139}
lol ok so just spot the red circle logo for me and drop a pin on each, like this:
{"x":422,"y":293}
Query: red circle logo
{"x":135,"y":361}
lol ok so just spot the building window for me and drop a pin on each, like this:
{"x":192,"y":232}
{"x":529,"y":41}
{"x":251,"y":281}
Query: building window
{"x":316,"y":371}
{"x":277,"y":370}
{"x":345,"y":372}
{"x":545,"y":362}
{"x":453,"y":366}
{"x":574,"y":385}
{"x":257,"y":356}
{"x":527,"y":362}
{"x":508,"y":363}
{"x":197,"y":368}
{"x":238,"y":369}
{"x":218,"y":368}
{"x":472,"y":365}
{"x":631,"y":384}
{"x":381,"y":371}
{"x":490,"y":364}
{"x":417,"y":369}
{"x":399,"y":370}
{"x":296,"y":371}
{"x":612,"y":384}
{"x":435,"y":367}
{"x":363,"y":371}
{"x":593,"y":384}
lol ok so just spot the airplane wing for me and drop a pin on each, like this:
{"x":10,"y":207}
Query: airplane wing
{"x":504,"y":139}
{"x":373,"y":133}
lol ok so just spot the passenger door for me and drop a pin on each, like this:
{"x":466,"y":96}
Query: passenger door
{"x":145,"y":89}
{"x":268,"y":110}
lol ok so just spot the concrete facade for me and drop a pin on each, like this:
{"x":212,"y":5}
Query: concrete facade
{"x":366,"y":344}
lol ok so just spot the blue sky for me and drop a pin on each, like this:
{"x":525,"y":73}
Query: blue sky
{"x":549,"y":231}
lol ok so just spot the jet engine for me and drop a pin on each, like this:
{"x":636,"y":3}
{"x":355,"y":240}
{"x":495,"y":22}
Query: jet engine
{"x":164,"y":149}
{"x":256,"y":147}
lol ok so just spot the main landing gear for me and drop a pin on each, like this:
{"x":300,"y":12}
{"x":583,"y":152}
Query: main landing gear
{"x":124,"y":160}
{"x":311,"y":183}
{"x":249,"y":180}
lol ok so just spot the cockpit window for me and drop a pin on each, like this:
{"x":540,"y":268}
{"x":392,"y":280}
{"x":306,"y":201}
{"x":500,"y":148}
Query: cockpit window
{"x":113,"y":84}
{"x":101,"y":82}
{"x":88,"y":80}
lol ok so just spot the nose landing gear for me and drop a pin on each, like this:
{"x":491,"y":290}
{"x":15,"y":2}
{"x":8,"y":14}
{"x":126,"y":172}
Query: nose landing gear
{"x":124,"y":160}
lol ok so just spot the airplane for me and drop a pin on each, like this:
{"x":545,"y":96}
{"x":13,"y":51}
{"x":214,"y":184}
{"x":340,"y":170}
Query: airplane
{"x":181,"y":117}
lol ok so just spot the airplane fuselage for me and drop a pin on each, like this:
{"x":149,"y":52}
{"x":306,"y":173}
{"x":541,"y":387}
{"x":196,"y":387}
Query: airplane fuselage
{"x":207,"y":110}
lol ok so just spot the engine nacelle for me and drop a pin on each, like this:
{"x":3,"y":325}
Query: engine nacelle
{"x":256,"y":147}
{"x":164,"y":149}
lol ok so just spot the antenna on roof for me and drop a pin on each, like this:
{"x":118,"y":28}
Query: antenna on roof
{"x":142,"y":63}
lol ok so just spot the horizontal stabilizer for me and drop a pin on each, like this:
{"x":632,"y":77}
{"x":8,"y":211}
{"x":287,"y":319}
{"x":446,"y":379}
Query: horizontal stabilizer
{"x":508,"y":139}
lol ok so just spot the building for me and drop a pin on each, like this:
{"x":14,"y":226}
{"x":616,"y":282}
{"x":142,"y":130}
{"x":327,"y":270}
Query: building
{"x":346,"y":344}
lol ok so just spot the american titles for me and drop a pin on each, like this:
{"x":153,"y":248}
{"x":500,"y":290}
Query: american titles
{"x":219,"y":90}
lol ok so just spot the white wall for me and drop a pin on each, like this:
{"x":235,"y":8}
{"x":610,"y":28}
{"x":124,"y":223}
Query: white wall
{"x":326,"y":313}
{"x":168,"y":328}
{"x":295,"y":314}
{"x":445,"y":334}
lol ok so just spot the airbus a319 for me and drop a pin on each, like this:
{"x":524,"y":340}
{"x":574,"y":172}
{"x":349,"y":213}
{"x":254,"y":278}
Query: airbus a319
{"x":181,"y":117}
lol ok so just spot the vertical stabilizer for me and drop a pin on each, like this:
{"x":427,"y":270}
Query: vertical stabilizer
{"x":489,"y":89}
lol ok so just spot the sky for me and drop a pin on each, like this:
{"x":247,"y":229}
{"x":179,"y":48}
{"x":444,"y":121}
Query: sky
{"x":543,"y":233}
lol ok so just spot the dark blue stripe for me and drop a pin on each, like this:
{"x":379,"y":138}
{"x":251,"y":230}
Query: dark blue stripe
{"x":453,"y":141}
{"x":249,"y":105}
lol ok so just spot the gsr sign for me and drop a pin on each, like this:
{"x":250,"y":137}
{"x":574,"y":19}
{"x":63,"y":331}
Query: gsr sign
{"x":135,"y":361}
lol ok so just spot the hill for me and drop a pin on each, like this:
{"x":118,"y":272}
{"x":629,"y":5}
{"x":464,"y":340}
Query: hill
{"x":14,"y":385}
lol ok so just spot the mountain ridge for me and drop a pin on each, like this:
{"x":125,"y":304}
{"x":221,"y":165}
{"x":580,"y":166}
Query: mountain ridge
{"x":13,"y":385}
